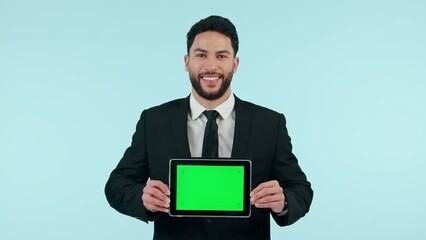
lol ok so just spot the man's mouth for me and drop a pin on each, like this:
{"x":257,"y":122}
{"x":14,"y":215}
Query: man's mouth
{"x":210,"y":78}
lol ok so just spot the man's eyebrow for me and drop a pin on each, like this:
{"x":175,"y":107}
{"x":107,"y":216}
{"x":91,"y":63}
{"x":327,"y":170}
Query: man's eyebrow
{"x":200,"y":50}
{"x":223,"y":51}
{"x":205,"y":51}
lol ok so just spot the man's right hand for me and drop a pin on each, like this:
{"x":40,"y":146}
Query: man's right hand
{"x":155,"y":196}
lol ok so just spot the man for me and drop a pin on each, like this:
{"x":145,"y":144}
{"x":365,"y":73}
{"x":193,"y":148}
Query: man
{"x":245,"y":130}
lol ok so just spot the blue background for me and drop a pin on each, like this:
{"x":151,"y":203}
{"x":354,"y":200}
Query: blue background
{"x":350,"y":76}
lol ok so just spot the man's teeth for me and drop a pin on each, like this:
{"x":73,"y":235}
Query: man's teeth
{"x":210,"y":78}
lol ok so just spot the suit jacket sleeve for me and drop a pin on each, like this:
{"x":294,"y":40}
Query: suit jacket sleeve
{"x":125,"y":185}
{"x":291,"y":178}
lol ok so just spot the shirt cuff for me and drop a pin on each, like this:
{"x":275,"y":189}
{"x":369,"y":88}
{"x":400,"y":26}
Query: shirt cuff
{"x":284,"y":211}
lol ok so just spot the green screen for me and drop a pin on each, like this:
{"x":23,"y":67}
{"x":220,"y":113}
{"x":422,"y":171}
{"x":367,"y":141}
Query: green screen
{"x":216,"y":188}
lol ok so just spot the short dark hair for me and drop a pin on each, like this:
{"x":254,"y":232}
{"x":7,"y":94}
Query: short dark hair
{"x":217,"y":24}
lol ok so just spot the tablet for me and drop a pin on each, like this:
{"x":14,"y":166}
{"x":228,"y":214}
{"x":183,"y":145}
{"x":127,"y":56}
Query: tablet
{"x":210,"y":187}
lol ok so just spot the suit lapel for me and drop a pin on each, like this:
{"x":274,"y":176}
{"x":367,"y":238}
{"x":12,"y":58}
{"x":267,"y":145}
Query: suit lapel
{"x":242,"y":129}
{"x":180,"y":130}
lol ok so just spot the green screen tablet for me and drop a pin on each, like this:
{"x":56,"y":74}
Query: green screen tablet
{"x":210,"y":187}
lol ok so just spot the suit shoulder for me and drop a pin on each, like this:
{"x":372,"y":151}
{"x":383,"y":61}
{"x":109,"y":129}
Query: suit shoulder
{"x":257,"y":109}
{"x":174,"y":104}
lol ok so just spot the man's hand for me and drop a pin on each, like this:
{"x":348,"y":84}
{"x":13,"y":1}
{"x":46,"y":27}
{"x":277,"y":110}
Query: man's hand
{"x":268,"y":195}
{"x":155,"y":196}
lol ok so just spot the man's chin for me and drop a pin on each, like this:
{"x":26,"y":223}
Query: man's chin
{"x":210,"y":96}
{"x":210,"y":92}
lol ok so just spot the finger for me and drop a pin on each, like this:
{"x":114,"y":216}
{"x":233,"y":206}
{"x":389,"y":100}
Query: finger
{"x":155,"y":208}
{"x":268,"y":184}
{"x":266,"y":192}
{"x":270,"y":198}
{"x":263,"y":185}
{"x":264,"y":196}
{"x":156,"y":193}
{"x":160,"y":185}
{"x":270,"y":191}
{"x":274,"y":206}
{"x":266,"y":205}
{"x":149,"y":199}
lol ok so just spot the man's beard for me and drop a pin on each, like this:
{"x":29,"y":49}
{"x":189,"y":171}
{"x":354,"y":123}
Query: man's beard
{"x":226,"y":82}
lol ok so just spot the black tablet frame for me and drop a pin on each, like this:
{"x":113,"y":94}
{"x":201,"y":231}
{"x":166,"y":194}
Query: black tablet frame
{"x":246,"y":163}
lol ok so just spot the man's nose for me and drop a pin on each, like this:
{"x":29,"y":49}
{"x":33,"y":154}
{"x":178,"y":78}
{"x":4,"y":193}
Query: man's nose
{"x":211,"y":65}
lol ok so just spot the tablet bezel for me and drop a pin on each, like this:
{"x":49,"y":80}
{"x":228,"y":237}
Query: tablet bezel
{"x":246,"y":163}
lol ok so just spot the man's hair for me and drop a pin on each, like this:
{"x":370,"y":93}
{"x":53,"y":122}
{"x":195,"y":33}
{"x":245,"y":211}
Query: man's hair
{"x":217,"y":24}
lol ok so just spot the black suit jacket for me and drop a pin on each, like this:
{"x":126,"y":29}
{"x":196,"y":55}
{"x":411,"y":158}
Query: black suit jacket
{"x":161,"y":133}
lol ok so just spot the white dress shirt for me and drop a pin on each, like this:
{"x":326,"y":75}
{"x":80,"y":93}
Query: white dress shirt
{"x":225,"y":121}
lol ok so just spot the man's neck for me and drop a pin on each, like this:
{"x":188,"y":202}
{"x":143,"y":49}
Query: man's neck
{"x":211,"y":104}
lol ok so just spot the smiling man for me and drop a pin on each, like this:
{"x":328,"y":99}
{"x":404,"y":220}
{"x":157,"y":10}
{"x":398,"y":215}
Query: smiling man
{"x":211,"y":63}
{"x":210,"y":123}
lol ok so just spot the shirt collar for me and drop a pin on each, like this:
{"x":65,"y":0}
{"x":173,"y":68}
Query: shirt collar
{"x":224,"y":109}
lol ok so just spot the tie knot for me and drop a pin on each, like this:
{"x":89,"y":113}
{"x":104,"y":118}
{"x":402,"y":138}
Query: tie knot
{"x":211,"y":115}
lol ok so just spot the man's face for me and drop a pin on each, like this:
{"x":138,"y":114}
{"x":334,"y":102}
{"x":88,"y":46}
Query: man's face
{"x":211,"y":64}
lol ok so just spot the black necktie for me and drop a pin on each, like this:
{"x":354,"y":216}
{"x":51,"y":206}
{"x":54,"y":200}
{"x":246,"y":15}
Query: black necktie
{"x":211,"y":139}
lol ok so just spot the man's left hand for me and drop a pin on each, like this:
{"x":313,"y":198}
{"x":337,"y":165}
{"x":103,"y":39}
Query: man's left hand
{"x":268,"y":195}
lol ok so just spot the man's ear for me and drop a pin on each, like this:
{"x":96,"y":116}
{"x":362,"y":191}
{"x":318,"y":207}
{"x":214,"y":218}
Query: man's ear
{"x":186,"y":60}
{"x":236,"y":63}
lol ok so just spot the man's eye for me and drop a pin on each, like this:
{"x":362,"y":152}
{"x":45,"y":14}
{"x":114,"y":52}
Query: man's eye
{"x":222,"y":56}
{"x":201,"y":55}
